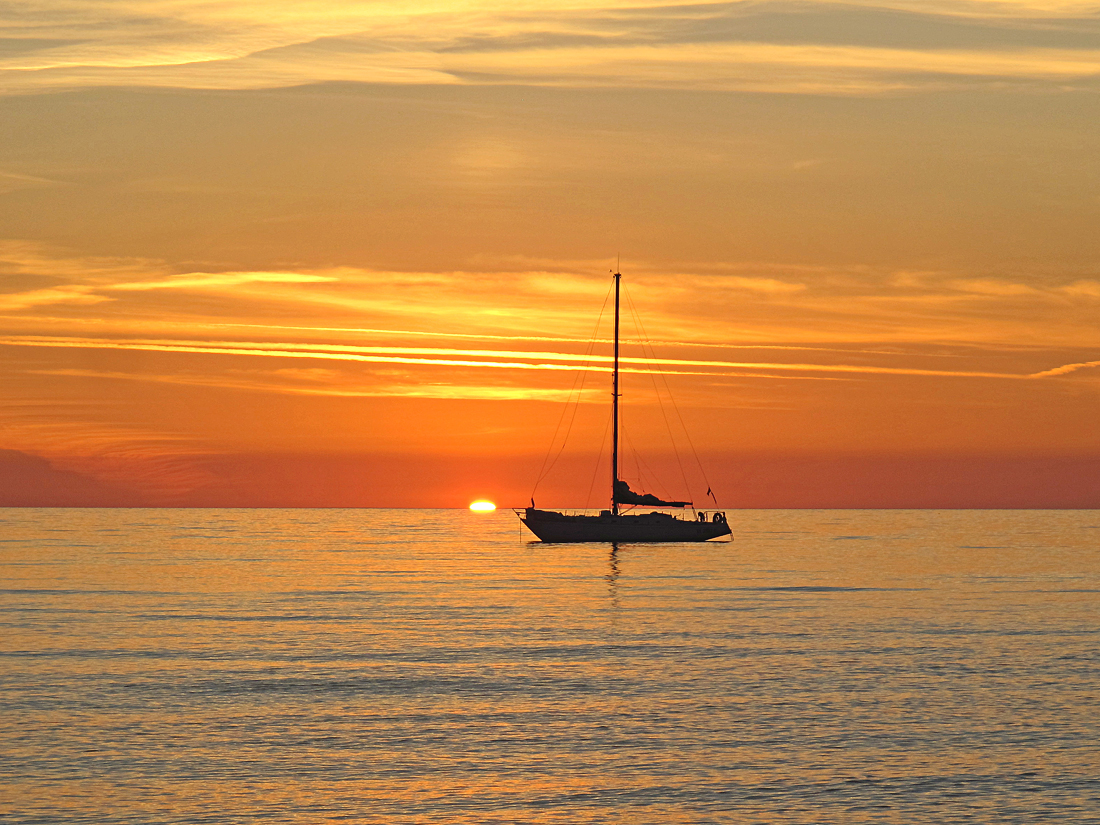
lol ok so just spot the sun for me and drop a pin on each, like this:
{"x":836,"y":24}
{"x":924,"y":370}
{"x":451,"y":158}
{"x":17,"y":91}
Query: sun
{"x":483,"y":506}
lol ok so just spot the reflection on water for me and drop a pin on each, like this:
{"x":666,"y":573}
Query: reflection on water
{"x":613,"y":575}
{"x":228,"y":666}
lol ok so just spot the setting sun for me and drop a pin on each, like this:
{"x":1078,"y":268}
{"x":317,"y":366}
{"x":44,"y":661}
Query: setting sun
{"x":483,"y":506}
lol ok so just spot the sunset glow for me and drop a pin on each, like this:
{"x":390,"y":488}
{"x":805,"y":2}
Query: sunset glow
{"x":358,"y":254}
{"x":482,"y":506}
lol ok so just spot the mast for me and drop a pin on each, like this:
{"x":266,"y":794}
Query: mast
{"x":615,"y":405}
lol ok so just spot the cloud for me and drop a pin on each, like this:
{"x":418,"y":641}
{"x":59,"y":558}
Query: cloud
{"x":22,"y":257}
{"x":73,"y":294}
{"x":491,"y":359}
{"x":14,"y":181}
{"x":1090,"y":289}
{"x":993,"y":286}
{"x":1065,"y":369}
{"x":204,"y":280}
{"x":778,"y":46}
{"x":815,"y":309}
{"x":853,"y":323}
{"x":274,"y":381}
{"x":374,"y":355}
{"x":764,"y":285}
{"x":78,"y":437}
{"x":28,"y":480}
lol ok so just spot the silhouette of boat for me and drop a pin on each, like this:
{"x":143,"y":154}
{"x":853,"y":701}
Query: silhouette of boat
{"x":615,"y":526}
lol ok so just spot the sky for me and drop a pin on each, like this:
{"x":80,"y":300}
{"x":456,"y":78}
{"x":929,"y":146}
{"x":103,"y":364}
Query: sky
{"x":359,"y":253}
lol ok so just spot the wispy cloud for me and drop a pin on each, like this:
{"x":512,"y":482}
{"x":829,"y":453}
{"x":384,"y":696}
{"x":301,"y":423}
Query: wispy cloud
{"x":275,"y":381}
{"x":772,"y":46}
{"x":822,"y":309}
{"x":374,"y":355}
{"x":500,"y":335}
{"x":14,"y":181}
{"x":201,"y":326}
{"x":72,"y":294}
{"x":1090,"y":289}
{"x":255,"y":344}
{"x":220,"y":280}
{"x":81,"y":436}
{"x":492,"y":359}
{"x":1064,"y":369}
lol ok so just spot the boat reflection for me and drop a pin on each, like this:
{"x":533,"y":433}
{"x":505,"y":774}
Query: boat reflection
{"x":612,"y":577}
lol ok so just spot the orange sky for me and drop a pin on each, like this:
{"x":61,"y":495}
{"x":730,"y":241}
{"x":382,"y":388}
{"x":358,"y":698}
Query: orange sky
{"x":352,"y":254}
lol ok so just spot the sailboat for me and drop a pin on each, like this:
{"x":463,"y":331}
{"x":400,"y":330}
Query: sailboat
{"x":613,"y":524}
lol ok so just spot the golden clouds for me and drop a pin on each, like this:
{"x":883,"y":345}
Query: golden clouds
{"x":327,"y":383}
{"x":72,"y":294}
{"x":714,"y":306}
{"x":852,"y":227}
{"x":342,"y":367}
{"x":504,"y":310}
{"x":220,"y":280}
{"x":768,"y":67}
{"x":817,"y":47}
{"x":1065,"y":369}
{"x":516,"y":360}
{"x":434,"y":356}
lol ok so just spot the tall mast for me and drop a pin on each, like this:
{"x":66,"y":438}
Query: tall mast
{"x":615,"y":405}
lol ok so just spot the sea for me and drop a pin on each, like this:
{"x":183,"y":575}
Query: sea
{"x":442,"y":666}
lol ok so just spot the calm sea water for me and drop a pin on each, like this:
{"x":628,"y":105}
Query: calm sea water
{"x":310,"y":666}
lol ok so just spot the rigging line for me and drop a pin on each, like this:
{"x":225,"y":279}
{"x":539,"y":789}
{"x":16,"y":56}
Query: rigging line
{"x":646,"y":475}
{"x":694,"y":452}
{"x":628,"y":443}
{"x":580,"y":377}
{"x":569,"y":405}
{"x":648,"y":479}
{"x":576,"y":404}
{"x":633,"y":452}
{"x":656,"y":480}
{"x":679,"y":415}
{"x":653,"y":376}
{"x":596,"y":471}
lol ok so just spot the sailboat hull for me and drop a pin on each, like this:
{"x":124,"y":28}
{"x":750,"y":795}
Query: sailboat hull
{"x":551,"y":526}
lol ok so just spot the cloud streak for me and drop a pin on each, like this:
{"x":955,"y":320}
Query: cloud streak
{"x":774,"y":46}
{"x":808,"y":309}
{"x":271,"y":383}
{"x":221,"y":280}
{"x":72,"y":294}
{"x":492,"y":359}
{"x":1065,"y":369}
